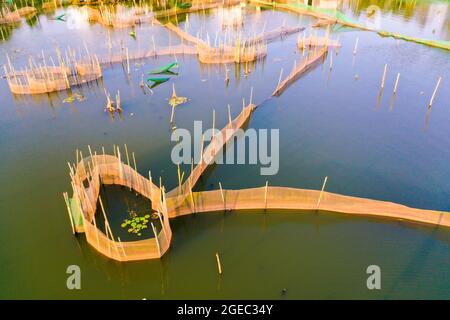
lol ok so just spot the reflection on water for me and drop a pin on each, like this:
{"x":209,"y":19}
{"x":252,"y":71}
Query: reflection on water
{"x":421,"y":19}
{"x":333,"y":122}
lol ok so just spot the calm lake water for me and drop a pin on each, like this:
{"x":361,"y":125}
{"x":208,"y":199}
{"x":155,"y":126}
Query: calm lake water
{"x":331,"y":123}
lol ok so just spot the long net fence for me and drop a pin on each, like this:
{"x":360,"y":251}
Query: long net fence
{"x":93,"y":171}
{"x":270,"y":197}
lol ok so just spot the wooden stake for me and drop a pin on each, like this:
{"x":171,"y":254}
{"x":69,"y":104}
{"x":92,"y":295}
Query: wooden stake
{"x":162,"y":225}
{"x":121,"y":246}
{"x":151,"y":184}
{"x":156,"y":239}
{"x":434,"y":92}
{"x":396,"y":83}
{"x":223,"y":197}
{"x":172,"y":114}
{"x":90,"y":151}
{"x":265,"y":195}
{"x":279,"y":79}
{"x":126,"y":152}
{"x":69,"y":211}
{"x":107,"y":229}
{"x":135,"y":172}
{"x":384,"y":76}
{"x":192,"y":199}
{"x":331,"y":61}
{"x":179,"y":178}
{"x":219,"y":266}
{"x":356,"y":46}
{"x":118,"y":107}
{"x":321,"y":192}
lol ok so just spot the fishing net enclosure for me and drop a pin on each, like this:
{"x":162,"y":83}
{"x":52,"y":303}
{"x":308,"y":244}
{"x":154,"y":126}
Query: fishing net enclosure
{"x":91,"y":172}
{"x":38,"y":78}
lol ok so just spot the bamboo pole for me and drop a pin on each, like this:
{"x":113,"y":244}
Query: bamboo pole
{"x":396,"y":83}
{"x":384,"y":76}
{"x":356,"y":46}
{"x":104,"y":156}
{"x":151,"y":184}
{"x":179,"y":178}
{"x":279,"y":79}
{"x":90,"y":151}
{"x":69,"y":211}
{"x":265,"y":195}
{"x":135,"y":172}
{"x":164,"y":201}
{"x":128,"y":161}
{"x":172,"y":114}
{"x":219,"y":265}
{"x":118,"y":107}
{"x":156,"y":239}
{"x":434,"y":92}
{"x":223,"y":197}
{"x":321,"y":192}
{"x":121,"y":246}
{"x":192,"y":199}
{"x":331,"y":61}
{"x":119,"y":160}
{"x":107,"y":227}
{"x":162,"y":225}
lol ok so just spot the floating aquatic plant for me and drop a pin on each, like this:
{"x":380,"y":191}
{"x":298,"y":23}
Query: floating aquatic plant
{"x":175,"y":100}
{"x":71,"y":99}
{"x":135,"y":224}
